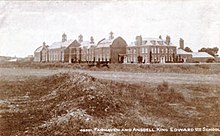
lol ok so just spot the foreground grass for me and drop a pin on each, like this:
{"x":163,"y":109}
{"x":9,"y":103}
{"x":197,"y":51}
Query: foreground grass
{"x":195,"y":68}
{"x":63,"y":104}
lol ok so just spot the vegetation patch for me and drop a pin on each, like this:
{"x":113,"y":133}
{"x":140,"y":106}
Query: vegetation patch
{"x":65,"y":103}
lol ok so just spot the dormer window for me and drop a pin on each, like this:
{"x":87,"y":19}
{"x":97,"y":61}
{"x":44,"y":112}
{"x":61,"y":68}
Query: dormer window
{"x":153,"y":42}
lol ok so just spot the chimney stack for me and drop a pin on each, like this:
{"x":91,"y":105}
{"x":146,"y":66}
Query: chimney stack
{"x":181,"y":43}
{"x":64,"y":37}
{"x":168,"y":40}
{"x":139,"y":40}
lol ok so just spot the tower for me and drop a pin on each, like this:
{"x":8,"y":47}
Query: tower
{"x":91,"y":39}
{"x":64,"y":37}
{"x":44,"y":44}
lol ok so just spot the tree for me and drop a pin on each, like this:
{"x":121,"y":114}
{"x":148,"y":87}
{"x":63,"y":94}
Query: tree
{"x":211,"y":51}
{"x":140,"y":58}
{"x":187,"y":49}
{"x":202,"y":50}
{"x":215,"y":49}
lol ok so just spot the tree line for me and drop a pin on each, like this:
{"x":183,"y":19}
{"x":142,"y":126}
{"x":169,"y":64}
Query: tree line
{"x":212,"y":51}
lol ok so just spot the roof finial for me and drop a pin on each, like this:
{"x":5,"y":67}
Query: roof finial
{"x":80,"y":38}
{"x":91,"y":39}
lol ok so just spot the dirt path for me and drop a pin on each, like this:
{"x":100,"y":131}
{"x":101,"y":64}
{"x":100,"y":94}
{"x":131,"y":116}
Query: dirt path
{"x":176,"y":78}
{"x":156,"y":77}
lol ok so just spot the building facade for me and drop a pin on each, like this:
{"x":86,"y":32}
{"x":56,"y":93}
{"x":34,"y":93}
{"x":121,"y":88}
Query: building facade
{"x":82,"y":51}
{"x":58,"y":51}
{"x":202,"y":57}
{"x":181,"y":55}
{"x":41,"y":53}
{"x":111,"y":50}
{"x":151,"y":50}
{"x":116,"y":50}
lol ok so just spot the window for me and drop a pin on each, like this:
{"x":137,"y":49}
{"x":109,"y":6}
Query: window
{"x":153,"y":42}
{"x":142,"y":49}
{"x":134,"y":50}
{"x":128,"y":51}
{"x":107,"y":57}
{"x":134,"y":59}
{"x":146,"y":50}
{"x":171,"y":51}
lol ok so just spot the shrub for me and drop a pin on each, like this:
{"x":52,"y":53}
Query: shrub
{"x":167,"y":94}
{"x":163,"y":87}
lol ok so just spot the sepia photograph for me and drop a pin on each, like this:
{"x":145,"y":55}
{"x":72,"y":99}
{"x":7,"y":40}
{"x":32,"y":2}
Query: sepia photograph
{"x":109,"y":68}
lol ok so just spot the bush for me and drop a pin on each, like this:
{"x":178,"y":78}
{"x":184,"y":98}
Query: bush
{"x":163,"y":87}
{"x":210,"y":60}
{"x":167,"y":94}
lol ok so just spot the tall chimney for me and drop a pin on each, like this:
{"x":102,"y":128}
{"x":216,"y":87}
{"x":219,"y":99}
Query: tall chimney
{"x":139,"y":40}
{"x":181,"y":43}
{"x":168,"y":40}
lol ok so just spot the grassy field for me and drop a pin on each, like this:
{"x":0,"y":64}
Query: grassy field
{"x":63,"y":101}
{"x":188,"y":68}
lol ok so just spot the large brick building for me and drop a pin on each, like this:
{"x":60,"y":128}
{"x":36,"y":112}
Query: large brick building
{"x":111,"y":50}
{"x":116,"y":50}
{"x":108,"y":50}
{"x":151,"y":50}
{"x":58,"y":51}
{"x":82,"y":51}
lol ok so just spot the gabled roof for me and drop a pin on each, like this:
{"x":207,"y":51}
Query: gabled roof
{"x":86,"y":44}
{"x":152,"y":42}
{"x":201,"y":55}
{"x":182,"y":52}
{"x":39,"y":49}
{"x":105,"y":43}
{"x":56,"y":45}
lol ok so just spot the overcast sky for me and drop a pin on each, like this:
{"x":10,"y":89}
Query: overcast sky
{"x":24,"y":26}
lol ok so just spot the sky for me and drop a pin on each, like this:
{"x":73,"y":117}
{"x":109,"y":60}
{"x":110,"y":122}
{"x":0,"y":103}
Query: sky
{"x":25,"y":25}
